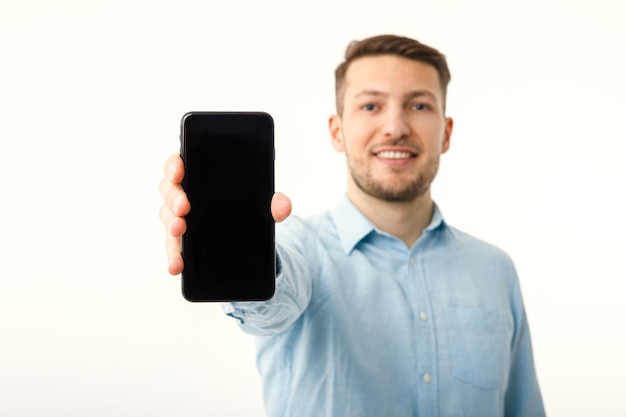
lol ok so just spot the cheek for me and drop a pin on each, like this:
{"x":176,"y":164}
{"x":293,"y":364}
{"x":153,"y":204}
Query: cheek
{"x":358,"y":132}
{"x":355,"y":145}
{"x":434,"y":132}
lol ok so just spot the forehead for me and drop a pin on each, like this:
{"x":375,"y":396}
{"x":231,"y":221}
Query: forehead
{"x":390,"y":74}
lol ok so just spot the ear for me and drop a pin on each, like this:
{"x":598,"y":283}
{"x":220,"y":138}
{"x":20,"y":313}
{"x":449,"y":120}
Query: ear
{"x":336,"y":132}
{"x":445,"y":145}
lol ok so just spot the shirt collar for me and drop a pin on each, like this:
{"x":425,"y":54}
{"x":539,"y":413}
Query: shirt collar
{"x":352,"y":226}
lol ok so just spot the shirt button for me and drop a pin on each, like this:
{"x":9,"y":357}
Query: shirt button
{"x":427,"y":378}
{"x":412,"y":260}
{"x":423,"y":316}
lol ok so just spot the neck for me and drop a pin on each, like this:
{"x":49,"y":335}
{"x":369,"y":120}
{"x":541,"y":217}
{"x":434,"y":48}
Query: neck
{"x":404,"y":220}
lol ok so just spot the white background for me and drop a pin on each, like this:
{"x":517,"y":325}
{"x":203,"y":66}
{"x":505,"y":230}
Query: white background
{"x":91,"y":95}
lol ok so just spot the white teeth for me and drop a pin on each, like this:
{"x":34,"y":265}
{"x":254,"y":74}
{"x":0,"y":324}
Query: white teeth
{"x":393,"y":155}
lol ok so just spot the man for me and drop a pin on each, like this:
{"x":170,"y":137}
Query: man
{"x":382,"y":308}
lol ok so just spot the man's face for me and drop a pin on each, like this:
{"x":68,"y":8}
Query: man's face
{"x":392,"y":129}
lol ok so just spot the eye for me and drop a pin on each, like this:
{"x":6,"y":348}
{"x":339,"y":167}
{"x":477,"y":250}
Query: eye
{"x":420,"y":106}
{"x":369,"y":107}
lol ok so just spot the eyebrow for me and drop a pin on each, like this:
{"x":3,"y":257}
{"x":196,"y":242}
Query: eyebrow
{"x":409,"y":96}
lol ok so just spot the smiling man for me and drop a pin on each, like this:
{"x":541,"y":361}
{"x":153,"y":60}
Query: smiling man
{"x":381,"y":307}
{"x":391,"y":126}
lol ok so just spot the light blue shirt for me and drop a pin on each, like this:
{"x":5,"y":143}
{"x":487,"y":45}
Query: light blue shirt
{"x":361,"y":325}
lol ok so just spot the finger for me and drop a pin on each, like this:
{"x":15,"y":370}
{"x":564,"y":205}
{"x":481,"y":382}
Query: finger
{"x":174,"y":256}
{"x":175,"y":228}
{"x":174,"y":168}
{"x":174,"y":197}
{"x":281,"y":207}
{"x":174,"y":225}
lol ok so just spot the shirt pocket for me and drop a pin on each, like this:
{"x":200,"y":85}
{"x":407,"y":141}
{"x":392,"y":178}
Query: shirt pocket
{"x":479,"y":341}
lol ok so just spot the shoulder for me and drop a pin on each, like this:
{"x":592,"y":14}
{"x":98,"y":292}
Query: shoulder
{"x":477,"y":249}
{"x":306,"y":224}
{"x":312,"y":240}
{"x":478,"y":263}
{"x":300,"y":229}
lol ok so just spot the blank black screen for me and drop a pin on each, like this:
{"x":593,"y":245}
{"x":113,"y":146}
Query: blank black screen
{"x":228,"y":248}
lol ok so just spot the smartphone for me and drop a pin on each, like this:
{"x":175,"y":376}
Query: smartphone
{"x":229,"y":246}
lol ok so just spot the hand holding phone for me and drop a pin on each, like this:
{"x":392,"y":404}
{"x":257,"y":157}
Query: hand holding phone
{"x":176,"y":206}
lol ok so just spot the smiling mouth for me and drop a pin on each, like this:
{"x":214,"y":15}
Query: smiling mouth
{"x":395,"y":155}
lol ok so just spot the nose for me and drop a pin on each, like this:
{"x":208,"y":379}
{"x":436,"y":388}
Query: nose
{"x":395,"y":125}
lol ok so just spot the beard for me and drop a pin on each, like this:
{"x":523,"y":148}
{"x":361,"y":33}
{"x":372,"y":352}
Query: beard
{"x":401,"y":191}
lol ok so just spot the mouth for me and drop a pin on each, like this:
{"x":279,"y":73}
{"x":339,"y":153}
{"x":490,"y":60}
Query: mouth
{"x":395,"y":155}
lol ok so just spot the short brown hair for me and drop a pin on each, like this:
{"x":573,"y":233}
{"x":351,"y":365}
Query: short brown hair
{"x":391,"y":45}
